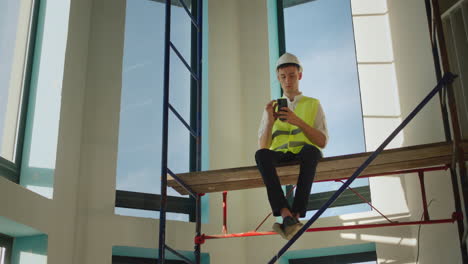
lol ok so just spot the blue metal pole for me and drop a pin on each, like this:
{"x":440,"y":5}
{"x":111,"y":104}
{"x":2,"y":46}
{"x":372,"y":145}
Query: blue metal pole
{"x":198,"y":122}
{"x":199,"y":83}
{"x":175,"y":252}
{"x":182,"y":183}
{"x":448,"y":77}
{"x":165,"y":128}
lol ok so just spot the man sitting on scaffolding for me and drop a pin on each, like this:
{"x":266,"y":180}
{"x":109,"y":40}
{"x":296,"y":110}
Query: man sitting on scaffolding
{"x":296,"y":132}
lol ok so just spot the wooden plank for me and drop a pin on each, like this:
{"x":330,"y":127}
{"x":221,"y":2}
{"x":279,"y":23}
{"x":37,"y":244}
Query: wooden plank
{"x":328,"y":168}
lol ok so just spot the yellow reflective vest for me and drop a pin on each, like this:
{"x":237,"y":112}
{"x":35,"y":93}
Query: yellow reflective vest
{"x":287,"y":137}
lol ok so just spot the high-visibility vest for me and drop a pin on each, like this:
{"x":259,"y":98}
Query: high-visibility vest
{"x":287,"y":137}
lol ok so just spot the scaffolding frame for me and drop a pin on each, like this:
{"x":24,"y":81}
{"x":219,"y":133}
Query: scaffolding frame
{"x":454,"y":217}
{"x":444,"y":81}
{"x":196,"y":75}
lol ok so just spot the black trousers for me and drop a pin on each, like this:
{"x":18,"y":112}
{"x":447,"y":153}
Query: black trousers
{"x":267,"y":160}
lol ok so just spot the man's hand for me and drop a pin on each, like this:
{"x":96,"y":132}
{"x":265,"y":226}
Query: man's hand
{"x":314,"y":135}
{"x":270,"y":108}
{"x":289,"y":116}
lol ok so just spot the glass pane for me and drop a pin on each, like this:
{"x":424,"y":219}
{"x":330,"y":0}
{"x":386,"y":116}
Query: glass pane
{"x":14,"y":27}
{"x":327,"y":52}
{"x":340,"y":210}
{"x":180,"y":29}
{"x":2,"y":255}
{"x":150,"y":214}
{"x":140,"y":132}
{"x":41,"y":136}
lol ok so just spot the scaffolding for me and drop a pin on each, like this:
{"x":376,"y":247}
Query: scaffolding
{"x":195,"y":133}
{"x":443,"y":88}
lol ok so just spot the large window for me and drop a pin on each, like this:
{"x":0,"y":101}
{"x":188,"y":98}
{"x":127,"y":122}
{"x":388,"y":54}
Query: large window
{"x":320,"y":33}
{"x":33,"y":37}
{"x":17,"y":28}
{"x":139,"y":153}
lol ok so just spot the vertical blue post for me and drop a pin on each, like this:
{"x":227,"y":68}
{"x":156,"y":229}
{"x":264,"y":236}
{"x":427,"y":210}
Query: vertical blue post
{"x":162,"y":217}
{"x":199,"y":83}
{"x":199,"y":119}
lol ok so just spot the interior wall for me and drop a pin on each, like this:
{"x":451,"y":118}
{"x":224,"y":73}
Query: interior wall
{"x":416,"y":77}
{"x":379,"y":95}
{"x":226,"y":124}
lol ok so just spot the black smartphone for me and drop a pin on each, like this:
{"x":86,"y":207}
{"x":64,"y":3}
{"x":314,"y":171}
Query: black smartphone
{"x":282,"y":102}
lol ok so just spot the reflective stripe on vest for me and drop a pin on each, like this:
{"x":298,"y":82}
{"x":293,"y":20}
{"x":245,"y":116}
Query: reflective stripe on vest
{"x":287,"y":137}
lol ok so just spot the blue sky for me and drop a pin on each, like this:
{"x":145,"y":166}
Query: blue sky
{"x":321,"y":34}
{"x":139,"y":156}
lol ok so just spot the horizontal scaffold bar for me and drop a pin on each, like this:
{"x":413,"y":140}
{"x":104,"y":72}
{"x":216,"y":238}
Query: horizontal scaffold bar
{"x":335,"y":228}
{"x":331,"y":168}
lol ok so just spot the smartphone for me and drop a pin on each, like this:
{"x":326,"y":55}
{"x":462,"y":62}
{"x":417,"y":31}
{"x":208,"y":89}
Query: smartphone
{"x":282,"y":102}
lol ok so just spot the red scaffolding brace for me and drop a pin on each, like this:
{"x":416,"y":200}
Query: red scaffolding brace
{"x":454,"y":217}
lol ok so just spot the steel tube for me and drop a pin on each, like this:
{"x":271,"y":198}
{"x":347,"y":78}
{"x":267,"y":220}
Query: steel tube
{"x":225,"y":230}
{"x":189,"y":14}
{"x":182,"y":120}
{"x":184,"y":258}
{"x":165,"y":127}
{"x":182,"y":183}
{"x":335,"y":228}
{"x":423,"y":194}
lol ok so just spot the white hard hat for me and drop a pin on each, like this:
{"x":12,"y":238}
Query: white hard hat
{"x":288,"y":58}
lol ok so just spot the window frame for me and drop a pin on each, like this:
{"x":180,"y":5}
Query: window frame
{"x":7,"y":243}
{"x":338,"y":259}
{"x":347,"y":198}
{"x":8,"y":169}
{"x":175,"y":204}
{"x":139,"y":260}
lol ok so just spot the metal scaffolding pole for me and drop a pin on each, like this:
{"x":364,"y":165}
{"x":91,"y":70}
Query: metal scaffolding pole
{"x":195,"y":133}
{"x":165,"y":128}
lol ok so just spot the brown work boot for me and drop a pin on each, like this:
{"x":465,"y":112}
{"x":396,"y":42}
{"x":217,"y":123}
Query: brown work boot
{"x":278,"y":228}
{"x":291,"y":226}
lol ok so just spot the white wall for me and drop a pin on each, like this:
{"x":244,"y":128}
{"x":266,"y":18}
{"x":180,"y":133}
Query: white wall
{"x":416,"y":77}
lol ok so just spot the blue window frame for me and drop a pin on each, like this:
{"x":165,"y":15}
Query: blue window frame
{"x":17,"y":40}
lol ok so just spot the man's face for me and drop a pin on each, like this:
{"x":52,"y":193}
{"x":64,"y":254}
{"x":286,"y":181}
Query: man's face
{"x":289,"y":78}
